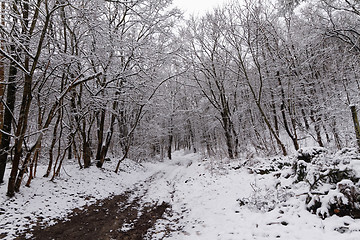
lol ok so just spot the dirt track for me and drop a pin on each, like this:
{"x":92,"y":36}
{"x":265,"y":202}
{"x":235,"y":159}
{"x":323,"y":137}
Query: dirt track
{"x":124,"y":217}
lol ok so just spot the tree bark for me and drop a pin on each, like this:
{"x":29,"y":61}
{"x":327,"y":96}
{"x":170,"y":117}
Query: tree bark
{"x":52,"y":145}
{"x":20,"y":133}
{"x":100,"y":133}
{"x":8,"y":117}
{"x":317,"y":128}
{"x":2,"y":73}
{"x":228,"y":135}
{"x":292,"y":134}
{"x":171,"y":137}
{"x":356,"y":124}
{"x":86,"y":153}
{"x":105,"y":147}
{"x":267,"y":122}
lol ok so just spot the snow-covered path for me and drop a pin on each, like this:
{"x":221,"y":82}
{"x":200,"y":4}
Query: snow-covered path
{"x":203,"y":194}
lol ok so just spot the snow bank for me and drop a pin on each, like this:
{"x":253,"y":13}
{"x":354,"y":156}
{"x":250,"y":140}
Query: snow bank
{"x":205,"y":194}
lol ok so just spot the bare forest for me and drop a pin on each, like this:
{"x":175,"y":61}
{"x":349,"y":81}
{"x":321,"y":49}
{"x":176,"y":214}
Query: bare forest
{"x":85,"y":80}
{"x":82,"y":79}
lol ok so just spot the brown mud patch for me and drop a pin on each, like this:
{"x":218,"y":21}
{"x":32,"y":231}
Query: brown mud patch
{"x":118,"y":217}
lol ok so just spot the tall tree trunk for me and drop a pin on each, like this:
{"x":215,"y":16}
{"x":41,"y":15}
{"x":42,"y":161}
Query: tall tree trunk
{"x":356,"y":124}
{"x":2,"y":73}
{"x":306,"y":123}
{"x":170,"y":143}
{"x":228,"y":138}
{"x":30,"y":64}
{"x":274,"y":112}
{"x":292,"y":134}
{"x":287,"y":129}
{"x":20,"y":133}
{"x":86,"y":147}
{"x":105,"y":147}
{"x":268,"y":124}
{"x":86,"y":154}
{"x":100,"y":133}
{"x":77,"y":154}
{"x":25,"y":164}
{"x":317,"y":128}
{"x":191,"y":136}
{"x":52,"y":145}
{"x":170,"y":137}
{"x":32,"y":173}
{"x":69,"y":138}
{"x":8,"y":117}
{"x":24,"y":113}
{"x":335,"y":133}
{"x":266,"y":120}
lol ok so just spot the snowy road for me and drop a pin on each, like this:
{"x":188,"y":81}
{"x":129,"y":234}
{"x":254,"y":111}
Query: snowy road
{"x":202,"y":193}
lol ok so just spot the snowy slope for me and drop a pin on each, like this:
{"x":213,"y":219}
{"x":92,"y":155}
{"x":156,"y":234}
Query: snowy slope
{"x":205,"y":194}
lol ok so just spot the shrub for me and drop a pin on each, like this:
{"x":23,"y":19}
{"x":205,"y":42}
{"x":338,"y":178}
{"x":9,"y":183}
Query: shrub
{"x":342,"y":201}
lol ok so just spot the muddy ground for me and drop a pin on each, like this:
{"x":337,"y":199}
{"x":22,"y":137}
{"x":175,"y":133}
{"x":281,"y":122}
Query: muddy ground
{"x":119,"y":217}
{"x":124,"y":217}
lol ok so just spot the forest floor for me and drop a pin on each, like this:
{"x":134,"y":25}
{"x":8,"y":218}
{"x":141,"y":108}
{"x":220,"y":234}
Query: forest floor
{"x":122,"y":216}
{"x":189,"y":197}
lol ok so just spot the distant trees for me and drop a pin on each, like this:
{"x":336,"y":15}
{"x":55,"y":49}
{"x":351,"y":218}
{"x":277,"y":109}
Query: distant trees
{"x":343,"y":25}
{"x":281,"y":63}
{"x":210,"y":70}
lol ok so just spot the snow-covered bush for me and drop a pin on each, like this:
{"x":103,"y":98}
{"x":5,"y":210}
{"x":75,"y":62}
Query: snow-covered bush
{"x":316,"y":167}
{"x":342,"y":201}
{"x":266,"y":199}
{"x":311,"y":154}
{"x":331,"y":179}
{"x":266,"y":166}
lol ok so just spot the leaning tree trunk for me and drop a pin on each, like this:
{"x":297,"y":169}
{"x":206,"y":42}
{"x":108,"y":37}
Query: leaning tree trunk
{"x":268,"y":124}
{"x":52,"y":145}
{"x":30,"y":64}
{"x":292,"y":134}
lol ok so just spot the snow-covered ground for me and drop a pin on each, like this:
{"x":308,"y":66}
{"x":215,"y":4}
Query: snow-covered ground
{"x":203,"y":193}
{"x":75,"y":188}
{"x":206,"y":194}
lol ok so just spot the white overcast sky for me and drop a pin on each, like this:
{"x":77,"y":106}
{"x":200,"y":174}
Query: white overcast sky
{"x":197,"y":6}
